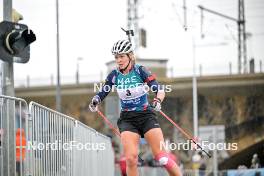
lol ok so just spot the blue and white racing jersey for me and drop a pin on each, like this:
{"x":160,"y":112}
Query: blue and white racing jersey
{"x":131,"y":87}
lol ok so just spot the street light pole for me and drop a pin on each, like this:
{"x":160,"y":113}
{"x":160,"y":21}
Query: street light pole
{"x":77,"y":70}
{"x":195,"y":99}
{"x":58,"y":88}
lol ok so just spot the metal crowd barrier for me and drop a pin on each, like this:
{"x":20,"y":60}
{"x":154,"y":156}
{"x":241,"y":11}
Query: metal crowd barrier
{"x":158,"y":171}
{"x":153,"y":171}
{"x":13,"y":122}
{"x":190,"y":172}
{"x":49,"y":143}
{"x":48,"y":132}
{"x":97,"y":157}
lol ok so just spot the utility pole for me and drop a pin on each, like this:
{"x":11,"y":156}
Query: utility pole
{"x":132,"y":21}
{"x":242,"y":45}
{"x":185,"y":25}
{"x":241,"y":23}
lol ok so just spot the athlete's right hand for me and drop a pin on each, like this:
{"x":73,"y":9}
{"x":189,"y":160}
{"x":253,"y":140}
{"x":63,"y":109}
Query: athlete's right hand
{"x":93,"y":106}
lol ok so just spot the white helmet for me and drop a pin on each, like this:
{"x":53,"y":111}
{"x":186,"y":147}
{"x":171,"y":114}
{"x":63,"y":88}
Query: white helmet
{"x":122,"y":47}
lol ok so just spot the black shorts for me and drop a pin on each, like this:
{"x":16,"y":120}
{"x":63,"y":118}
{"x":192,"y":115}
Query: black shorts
{"x":137,"y":121}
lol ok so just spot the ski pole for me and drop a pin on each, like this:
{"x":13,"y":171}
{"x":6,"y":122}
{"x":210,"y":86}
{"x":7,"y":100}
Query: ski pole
{"x":109,"y":123}
{"x":184,"y":133}
{"x":114,"y":129}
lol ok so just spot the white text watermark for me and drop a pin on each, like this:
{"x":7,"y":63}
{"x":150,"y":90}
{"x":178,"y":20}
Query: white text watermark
{"x":205,"y":145}
{"x":71,"y":145}
{"x":107,"y":88}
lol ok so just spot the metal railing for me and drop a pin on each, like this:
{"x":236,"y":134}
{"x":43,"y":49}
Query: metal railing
{"x":48,"y":132}
{"x":190,"y":172}
{"x":158,"y":171}
{"x":231,"y":172}
{"x":13,"y":117}
{"x":153,"y":171}
{"x":49,"y":143}
{"x":97,"y":154}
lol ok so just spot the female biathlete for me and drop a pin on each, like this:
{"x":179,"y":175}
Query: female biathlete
{"x":137,"y":118}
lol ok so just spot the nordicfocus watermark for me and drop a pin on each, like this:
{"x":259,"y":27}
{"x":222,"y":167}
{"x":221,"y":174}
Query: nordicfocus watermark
{"x":188,"y":145}
{"x":71,"y":145}
{"x":137,"y":87}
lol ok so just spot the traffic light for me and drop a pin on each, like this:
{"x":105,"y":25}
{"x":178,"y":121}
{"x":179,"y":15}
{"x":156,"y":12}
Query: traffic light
{"x":15,"y":39}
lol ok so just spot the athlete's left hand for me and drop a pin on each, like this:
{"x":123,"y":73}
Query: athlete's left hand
{"x":156,"y":104}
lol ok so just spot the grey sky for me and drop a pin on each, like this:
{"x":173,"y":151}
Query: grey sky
{"x":89,"y":28}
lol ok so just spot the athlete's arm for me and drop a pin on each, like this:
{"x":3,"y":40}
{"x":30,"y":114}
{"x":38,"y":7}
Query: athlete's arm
{"x":103,"y":92}
{"x":161,"y":95}
{"x":107,"y":87}
{"x":151,"y":81}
